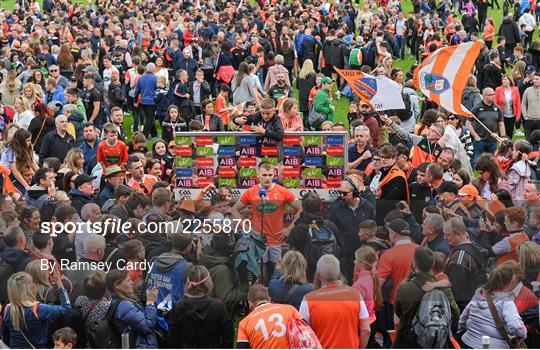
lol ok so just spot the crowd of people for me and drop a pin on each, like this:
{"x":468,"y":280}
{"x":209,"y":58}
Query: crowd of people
{"x":433,"y":206}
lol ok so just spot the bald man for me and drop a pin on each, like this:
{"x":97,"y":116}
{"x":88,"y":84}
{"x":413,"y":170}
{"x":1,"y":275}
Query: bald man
{"x":491,"y":115}
{"x":58,"y":142}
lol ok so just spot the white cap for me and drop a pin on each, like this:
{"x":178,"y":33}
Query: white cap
{"x":486,"y":340}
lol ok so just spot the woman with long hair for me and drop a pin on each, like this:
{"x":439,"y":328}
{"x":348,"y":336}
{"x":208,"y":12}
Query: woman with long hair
{"x":41,"y":124}
{"x":46,"y":291}
{"x":367,"y":281}
{"x":65,"y":60}
{"x":529,"y":259}
{"x":224,"y":70}
{"x":508,"y":99}
{"x":198,"y":311}
{"x":291,"y":286}
{"x":19,"y":155}
{"x":93,"y":304}
{"x":68,"y":182}
{"x":26,"y":321}
{"x":242,"y":86}
{"x":24,"y":114}
{"x":129,"y":316}
{"x":478,"y":320}
{"x":30,"y":94}
{"x":74,"y":161}
{"x":211,"y":121}
{"x":490,"y":175}
{"x":307,"y":79}
{"x":30,"y":219}
{"x":10,"y":88}
{"x":289,"y":116}
{"x":37,"y":78}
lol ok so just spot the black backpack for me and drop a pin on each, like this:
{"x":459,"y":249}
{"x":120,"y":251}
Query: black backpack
{"x":103,"y":334}
{"x":6,"y":270}
{"x":321,"y":240}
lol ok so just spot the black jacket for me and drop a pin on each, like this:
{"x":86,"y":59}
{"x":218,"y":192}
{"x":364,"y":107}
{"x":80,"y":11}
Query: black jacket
{"x":205,"y":90}
{"x":79,"y":199}
{"x":337,"y":54}
{"x":216,"y":123}
{"x":391,"y":194}
{"x":53,"y":145}
{"x":200,"y":323}
{"x":39,"y":128}
{"x":273,"y":127}
{"x":510,"y":31}
{"x":492,"y":76}
{"x":304,"y":88}
{"x":17,"y":258}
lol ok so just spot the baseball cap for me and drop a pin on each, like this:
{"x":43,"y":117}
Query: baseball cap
{"x":82,"y":179}
{"x":113,"y":169}
{"x":530,"y":69}
{"x":448,"y":187}
{"x":399,"y":226}
{"x":326,"y":80}
{"x":468,"y":190}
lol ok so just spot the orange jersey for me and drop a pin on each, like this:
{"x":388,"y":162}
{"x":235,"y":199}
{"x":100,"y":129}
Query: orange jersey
{"x":396,"y":263}
{"x":270,"y":213}
{"x":334,"y":313}
{"x":266,"y":326}
{"x":112,"y":155}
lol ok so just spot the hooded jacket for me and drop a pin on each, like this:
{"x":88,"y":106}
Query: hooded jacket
{"x":138,"y":322}
{"x":471,"y":97}
{"x":510,"y":31}
{"x":225,"y":286}
{"x":36,"y":196}
{"x":200,"y":323}
{"x":77,"y":119}
{"x":337,"y":53}
{"x":477,"y":320}
{"x":17,"y":258}
{"x":153,"y":242}
{"x":79,"y":199}
{"x":516,"y":179}
{"x":168,"y":274}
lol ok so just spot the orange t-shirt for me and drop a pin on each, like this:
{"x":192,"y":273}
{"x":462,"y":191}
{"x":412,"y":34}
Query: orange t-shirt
{"x":266,"y":326}
{"x":272,"y":216}
{"x":221,"y":103}
{"x":112,"y":155}
{"x":489,"y":32}
{"x":396,"y":263}
{"x":334,"y":313}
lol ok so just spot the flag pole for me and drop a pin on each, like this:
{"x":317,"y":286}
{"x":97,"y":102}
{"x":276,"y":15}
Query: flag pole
{"x":498,"y":138}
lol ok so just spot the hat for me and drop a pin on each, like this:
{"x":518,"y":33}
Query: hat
{"x":82,"y":179}
{"x":188,"y":205}
{"x":89,"y":69}
{"x":399,"y":226}
{"x":326,"y":80}
{"x":360,"y":40}
{"x":530,"y":69}
{"x":113,"y":169}
{"x":448,"y":187}
{"x":468,"y":190}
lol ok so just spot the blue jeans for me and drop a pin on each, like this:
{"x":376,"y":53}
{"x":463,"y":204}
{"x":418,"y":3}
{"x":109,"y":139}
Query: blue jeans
{"x":400,"y":46}
{"x":482,"y":146}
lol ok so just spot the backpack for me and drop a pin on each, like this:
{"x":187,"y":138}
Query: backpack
{"x":321,"y":240}
{"x":6,"y":270}
{"x":356,"y":57}
{"x":405,"y":114}
{"x":301,"y":336}
{"x":102,"y":334}
{"x":433,"y":320}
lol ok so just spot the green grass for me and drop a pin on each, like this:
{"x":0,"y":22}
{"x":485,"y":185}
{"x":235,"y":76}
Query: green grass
{"x":342,"y":105}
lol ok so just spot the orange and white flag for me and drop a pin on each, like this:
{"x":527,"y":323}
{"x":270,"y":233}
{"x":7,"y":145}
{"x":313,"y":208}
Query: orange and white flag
{"x":443,"y":74}
{"x":280,"y":101}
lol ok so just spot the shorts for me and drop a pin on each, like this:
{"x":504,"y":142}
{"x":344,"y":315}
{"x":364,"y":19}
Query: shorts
{"x":272,"y":254}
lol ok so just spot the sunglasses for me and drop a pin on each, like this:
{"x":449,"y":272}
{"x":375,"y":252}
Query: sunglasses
{"x":53,"y":70}
{"x":344,"y":193}
{"x":452,"y":118}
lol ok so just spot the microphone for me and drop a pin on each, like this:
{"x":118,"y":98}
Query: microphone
{"x":262,"y":194}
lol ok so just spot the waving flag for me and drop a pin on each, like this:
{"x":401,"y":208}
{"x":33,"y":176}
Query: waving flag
{"x":382,"y":93}
{"x":442,"y":76}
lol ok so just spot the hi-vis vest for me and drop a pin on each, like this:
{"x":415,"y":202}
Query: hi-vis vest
{"x":425,"y":151}
{"x":514,"y":241}
{"x":394,"y":172}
